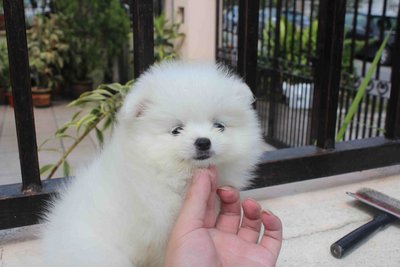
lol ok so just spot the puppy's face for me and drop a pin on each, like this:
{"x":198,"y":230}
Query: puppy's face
{"x":197,"y":136}
{"x":189,"y":118}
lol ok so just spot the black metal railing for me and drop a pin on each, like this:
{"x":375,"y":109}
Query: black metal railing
{"x":21,"y":204}
{"x":287,"y":54}
{"x":328,"y":157}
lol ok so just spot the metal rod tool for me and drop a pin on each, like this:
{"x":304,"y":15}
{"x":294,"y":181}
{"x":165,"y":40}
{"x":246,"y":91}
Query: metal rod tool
{"x":390,"y":211}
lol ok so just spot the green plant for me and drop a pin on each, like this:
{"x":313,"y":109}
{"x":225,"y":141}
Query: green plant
{"x":98,"y":108}
{"x":4,"y":67}
{"x":361,"y":90}
{"x":99,"y":105}
{"x":95,"y":30}
{"x":47,"y":48}
{"x":294,"y":43}
{"x":166,"y":35}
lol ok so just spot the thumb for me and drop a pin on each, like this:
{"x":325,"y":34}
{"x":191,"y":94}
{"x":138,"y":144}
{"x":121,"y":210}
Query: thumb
{"x":194,"y":208}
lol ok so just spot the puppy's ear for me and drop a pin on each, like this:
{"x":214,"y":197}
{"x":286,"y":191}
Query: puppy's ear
{"x":135,"y":105}
{"x":245,"y":94}
{"x":141,"y":108}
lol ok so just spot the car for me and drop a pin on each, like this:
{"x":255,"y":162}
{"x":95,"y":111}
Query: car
{"x":379,"y":27}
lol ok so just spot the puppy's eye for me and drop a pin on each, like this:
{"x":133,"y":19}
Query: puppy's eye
{"x":219,"y":126}
{"x":176,"y":130}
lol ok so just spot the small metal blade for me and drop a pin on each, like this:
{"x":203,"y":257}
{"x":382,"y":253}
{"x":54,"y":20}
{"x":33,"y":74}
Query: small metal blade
{"x":378,"y":200}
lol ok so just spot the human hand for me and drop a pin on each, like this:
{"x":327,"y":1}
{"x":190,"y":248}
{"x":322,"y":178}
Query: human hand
{"x":201,"y":238}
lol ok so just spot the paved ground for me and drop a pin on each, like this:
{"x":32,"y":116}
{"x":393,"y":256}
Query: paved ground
{"x":47,"y":120}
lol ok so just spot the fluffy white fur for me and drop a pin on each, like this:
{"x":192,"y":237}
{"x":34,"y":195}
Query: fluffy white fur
{"x":119,"y":211}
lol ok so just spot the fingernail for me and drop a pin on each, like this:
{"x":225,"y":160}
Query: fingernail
{"x":225,"y":188}
{"x":268,"y":212}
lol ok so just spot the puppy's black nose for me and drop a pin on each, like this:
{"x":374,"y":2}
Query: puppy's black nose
{"x":202,"y":144}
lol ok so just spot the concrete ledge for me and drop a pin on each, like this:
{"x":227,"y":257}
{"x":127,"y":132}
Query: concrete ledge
{"x":314,"y":213}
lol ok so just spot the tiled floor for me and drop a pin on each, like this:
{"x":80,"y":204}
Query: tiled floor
{"x":47,"y":120}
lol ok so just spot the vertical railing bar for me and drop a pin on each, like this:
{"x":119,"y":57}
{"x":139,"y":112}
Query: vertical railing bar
{"x":302,"y":120}
{"x":270,"y":27}
{"x":248,"y":41}
{"x":352,"y":95}
{"x":21,"y":90}
{"x":381,"y":37}
{"x":219,"y":26}
{"x":291,"y":111}
{"x":232,"y":32}
{"x":380,"y":108}
{"x":286,"y":31}
{"x":372,"y":118}
{"x":143,"y":38}
{"x":301,"y":31}
{"x":297,"y":87}
{"x":366,"y":111}
{"x":364,"y":70}
{"x":297,"y":125}
{"x":262,"y":25}
{"x":328,"y":70}
{"x":294,"y":26}
{"x":392,"y":124}
{"x":366,"y":37}
{"x":275,"y":78}
{"x":353,"y":40}
{"x":225,"y":28}
{"x":309,"y":44}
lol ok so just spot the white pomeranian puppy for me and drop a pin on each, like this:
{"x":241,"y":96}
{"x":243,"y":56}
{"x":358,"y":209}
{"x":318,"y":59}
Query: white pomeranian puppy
{"x":177,"y":118}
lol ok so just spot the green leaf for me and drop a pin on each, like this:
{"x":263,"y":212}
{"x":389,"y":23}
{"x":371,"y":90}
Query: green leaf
{"x":52,"y":150}
{"x":103,"y":92}
{"x":62,"y":129}
{"x":114,"y":86}
{"x":99,"y":136}
{"x":85,"y":120}
{"x":76,"y":115}
{"x":66,"y":168}
{"x":109,"y":121}
{"x":46,"y":168}
{"x":43,"y":143}
{"x":65,"y":136}
{"x":361,"y":90}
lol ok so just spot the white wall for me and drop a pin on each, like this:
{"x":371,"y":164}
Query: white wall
{"x":198,"y":24}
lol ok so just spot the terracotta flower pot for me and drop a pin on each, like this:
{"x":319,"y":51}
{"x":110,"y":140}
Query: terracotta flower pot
{"x":3,"y":96}
{"x":10,"y":99}
{"x":41,"y":97}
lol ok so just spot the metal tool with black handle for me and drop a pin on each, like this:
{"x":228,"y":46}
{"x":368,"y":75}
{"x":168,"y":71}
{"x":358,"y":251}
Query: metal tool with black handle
{"x":391,"y":212}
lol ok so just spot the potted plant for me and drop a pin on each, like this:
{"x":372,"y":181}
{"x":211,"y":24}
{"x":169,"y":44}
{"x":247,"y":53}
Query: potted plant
{"x":95,"y":31}
{"x":46,"y":44}
{"x":98,"y":108}
{"x":4,"y":73}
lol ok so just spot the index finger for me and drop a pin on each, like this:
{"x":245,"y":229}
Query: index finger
{"x":195,"y":206}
